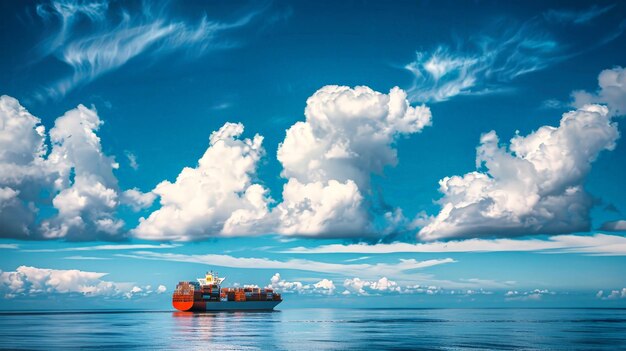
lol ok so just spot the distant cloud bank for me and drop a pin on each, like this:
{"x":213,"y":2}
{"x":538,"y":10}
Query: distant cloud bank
{"x":33,"y":281}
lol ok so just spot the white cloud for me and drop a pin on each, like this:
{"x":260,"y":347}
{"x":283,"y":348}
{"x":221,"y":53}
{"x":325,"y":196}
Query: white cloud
{"x":488,"y":62}
{"x":329,"y":158}
{"x":33,"y":281}
{"x":328,"y":161}
{"x":322,"y":209}
{"x":534,"y":186}
{"x":614,"y":226}
{"x":349,"y":260}
{"x":136,"y":199}
{"x":93,"y":38}
{"x":484,"y":65}
{"x":132,"y":160}
{"x":22,"y":167}
{"x":107,"y":247}
{"x":323,"y":287}
{"x":598,"y":244}
{"x":88,"y":258}
{"x":613,"y":295}
{"x":364,"y":287}
{"x":612,"y":92}
{"x":215,"y":198}
{"x":76,"y":175}
{"x":382,"y":286}
{"x":398,"y":269}
{"x":577,"y":17}
{"x":621,"y":294}
{"x":88,"y":190}
{"x":534,"y":295}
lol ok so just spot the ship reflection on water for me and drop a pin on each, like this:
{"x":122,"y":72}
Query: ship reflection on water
{"x":212,"y":327}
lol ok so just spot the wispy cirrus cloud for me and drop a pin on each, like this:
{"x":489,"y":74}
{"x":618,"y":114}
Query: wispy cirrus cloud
{"x":595,"y":245}
{"x":107,"y":247}
{"x":97,"y":37}
{"x":132,"y":160}
{"x":86,"y":258}
{"x":401,"y":268}
{"x":490,"y":60}
{"x":577,"y":17}
{"x":483,"y":64}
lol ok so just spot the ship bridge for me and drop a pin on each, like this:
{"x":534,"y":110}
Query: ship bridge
{"x":211,"y":278}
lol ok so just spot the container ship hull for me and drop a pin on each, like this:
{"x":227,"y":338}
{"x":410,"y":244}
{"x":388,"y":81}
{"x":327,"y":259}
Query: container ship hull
{"x":201,"y":306}
{"x":207,"y":295}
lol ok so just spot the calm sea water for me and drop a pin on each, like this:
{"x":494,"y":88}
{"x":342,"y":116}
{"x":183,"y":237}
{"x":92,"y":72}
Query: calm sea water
{"x":320,"y":329}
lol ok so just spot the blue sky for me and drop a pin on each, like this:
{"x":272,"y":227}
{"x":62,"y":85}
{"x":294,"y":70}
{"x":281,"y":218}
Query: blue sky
{"x":412,"y":154}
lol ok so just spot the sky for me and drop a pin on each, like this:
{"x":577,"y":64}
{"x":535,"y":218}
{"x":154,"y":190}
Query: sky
{"x":351,"y":154}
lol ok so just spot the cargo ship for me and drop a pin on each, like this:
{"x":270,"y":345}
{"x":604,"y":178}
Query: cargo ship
{"x":207,"y":294}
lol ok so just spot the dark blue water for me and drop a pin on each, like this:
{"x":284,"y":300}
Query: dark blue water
{"x":320,"y":329}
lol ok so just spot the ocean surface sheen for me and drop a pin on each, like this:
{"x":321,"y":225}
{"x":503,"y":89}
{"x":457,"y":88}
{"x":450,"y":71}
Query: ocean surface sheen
{"x":318,"y":329}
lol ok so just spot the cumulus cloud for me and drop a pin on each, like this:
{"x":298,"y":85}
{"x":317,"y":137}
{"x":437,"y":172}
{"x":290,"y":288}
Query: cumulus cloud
{"x":136,"y":199}
{"x":383,"y":286}
{"x":597,"y":245}
{"x":322,"y":287}
{"x":217,"y":197}
{"x":33,"y":281}
{"x":75,"y":176}
{"x":611,"y":91}
{"x":533,"y":186}
{"x":613,"y":295}
{"x":534,"y":295}
{"x":363,"y":287}
{"x":94,"y":37}
{"x":329,"y":158}
{"x":614,"y":226}
{"x":23,"y":172}
{"x":88,"y":193}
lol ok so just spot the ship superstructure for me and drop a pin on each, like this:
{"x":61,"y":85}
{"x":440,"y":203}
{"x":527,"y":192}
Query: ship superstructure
{"x":206,"y":294}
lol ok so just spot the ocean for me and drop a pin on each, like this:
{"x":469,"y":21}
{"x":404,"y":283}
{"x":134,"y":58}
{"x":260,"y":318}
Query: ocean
{"x":318,"y":329}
